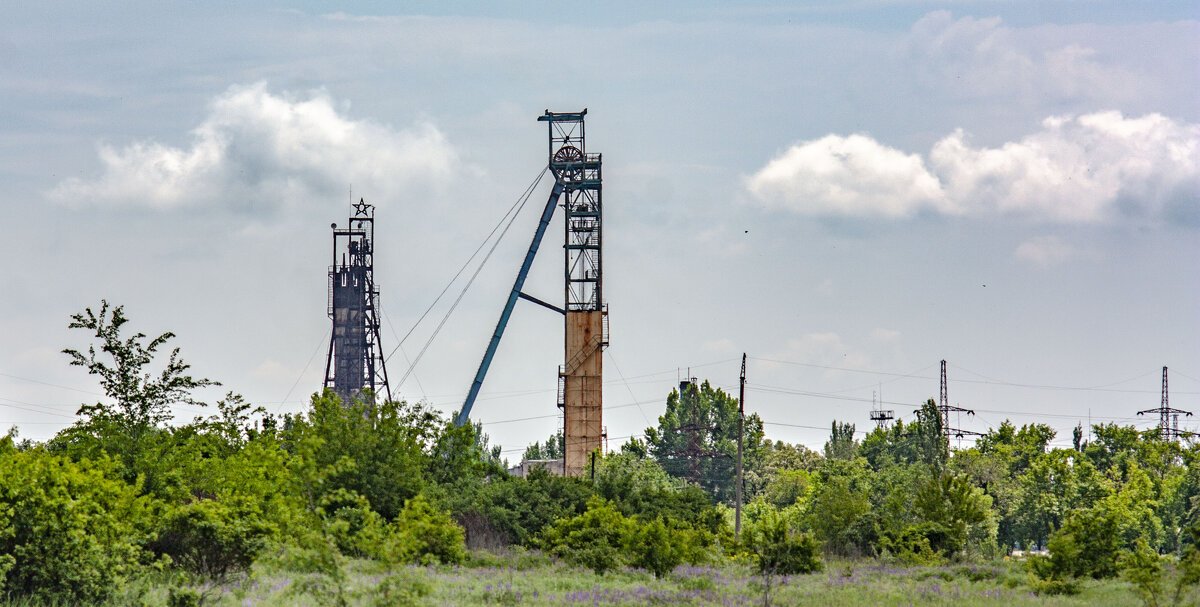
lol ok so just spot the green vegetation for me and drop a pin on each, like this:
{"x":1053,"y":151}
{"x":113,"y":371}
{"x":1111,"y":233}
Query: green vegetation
{"x":389,"y":503}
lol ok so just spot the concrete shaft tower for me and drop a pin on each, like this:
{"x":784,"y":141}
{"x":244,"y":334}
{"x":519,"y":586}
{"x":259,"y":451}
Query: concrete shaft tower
{"x":355,"y":362}
{"x":581,"y":377}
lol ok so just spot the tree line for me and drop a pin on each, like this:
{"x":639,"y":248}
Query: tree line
{"x":126,"y":490}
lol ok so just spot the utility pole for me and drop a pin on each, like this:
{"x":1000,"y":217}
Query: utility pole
{"x":737,"y":489}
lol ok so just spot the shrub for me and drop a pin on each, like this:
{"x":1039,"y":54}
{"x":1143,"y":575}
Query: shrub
{"x":778,"y":550}
{"x":68,"y":532}
{"x":1087,"y":545}
{"x":595,"y":539}
{"x":424,"y":534}
{"x":214,"y":538}
{"x":911,"y":547}
{"x":651,"y":548}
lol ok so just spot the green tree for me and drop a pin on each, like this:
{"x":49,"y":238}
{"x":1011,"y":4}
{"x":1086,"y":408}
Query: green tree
{"x":841,"y":443}
{"x":840,"y":497}
{"x":778,"y":550}
{"x":952,"y":511}
{"x":368,"y":447}
{"x":128,"y":427}
{"x":696,"y":438}
{"x":596,"y":539}
{"x":551,"y":449}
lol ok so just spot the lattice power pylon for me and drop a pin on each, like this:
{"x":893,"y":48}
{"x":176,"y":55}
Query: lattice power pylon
{"x":355,"y":363}
{"x":1166,"y":430}
{"x":945,"y":408}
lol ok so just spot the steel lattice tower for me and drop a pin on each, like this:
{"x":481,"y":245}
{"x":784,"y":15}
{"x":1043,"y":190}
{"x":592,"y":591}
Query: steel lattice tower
{"x":1166,"y":430}
{"x":944,"y":408}
{"x":355,"y":361}
{"x":586,"y":316}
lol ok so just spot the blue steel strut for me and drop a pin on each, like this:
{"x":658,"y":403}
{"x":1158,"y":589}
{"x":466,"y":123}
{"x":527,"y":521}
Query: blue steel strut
{"x":547,"y":213}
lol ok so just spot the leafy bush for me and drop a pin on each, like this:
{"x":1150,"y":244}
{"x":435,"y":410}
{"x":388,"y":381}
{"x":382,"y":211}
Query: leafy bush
{"x":214,"y":538}
{"x":1086,"y":546}
{"x":383,"y":452}
{"x":778,"y":550}
{"x":651,"y":549}
{"x":517,"y":509}
{"x":68,"y":532}
{"x":595,"y":539}
{"x":424,"y":534}
{"x":911,"y":547}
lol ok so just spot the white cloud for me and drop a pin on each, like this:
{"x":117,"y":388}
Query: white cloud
{"x":257,"y":150}
{"x":852,"y":175}
{"x":1091,"y":168}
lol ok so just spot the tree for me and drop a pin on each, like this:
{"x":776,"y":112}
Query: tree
{"x":127,"y":427}
{"x":696,"y":438}
{"x":779,"y":550}
{"x":841,"y":497}
{"x":370,"y":448}
{"x":841,"y":444}
{"x":551,"y":449}
{"x":932,"y":446}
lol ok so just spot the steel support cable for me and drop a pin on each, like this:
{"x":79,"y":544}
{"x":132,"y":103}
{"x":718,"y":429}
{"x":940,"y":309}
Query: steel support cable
{"x":304,"y":370}
{"x":471,"y":280}
{"x":519,"y":202}
{"x":627,"y":388}
{"x":403,"y":353}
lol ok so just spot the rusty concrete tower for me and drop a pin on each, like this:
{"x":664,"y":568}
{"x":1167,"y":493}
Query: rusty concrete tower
{"x":581,"y":377}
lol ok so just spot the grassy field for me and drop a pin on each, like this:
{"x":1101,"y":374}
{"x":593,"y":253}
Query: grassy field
{"x":530,"y":579}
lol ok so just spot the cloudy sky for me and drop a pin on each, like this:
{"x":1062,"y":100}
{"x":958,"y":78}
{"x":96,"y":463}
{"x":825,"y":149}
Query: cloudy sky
{"x":847,"y":192}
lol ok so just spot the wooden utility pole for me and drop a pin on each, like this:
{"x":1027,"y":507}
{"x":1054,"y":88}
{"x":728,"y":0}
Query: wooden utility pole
{"x":737,"y":489}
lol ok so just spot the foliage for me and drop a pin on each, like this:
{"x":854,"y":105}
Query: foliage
{"x":778,"y":550}
{"x":950,"y":507}
{"x":552,"y":448}
{"x":1088,"y":545}
{"x":385,"y":450}
{"x":841,"y":497}
{"x":517,"y":509}
{"x":425,"y":534}
{"x":68,"y":531}
{"x":130,"y":427}
{"x":1155,"y":584}
{"x":841,"y":443}
{"x":595,"y":539}
{"x":214,"y":538}
{"x":696,"y":438}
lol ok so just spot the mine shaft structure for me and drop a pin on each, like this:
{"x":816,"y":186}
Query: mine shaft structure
{"x":355,"y":367}
{"x":577,"y":187}
{"x":581,"y":394}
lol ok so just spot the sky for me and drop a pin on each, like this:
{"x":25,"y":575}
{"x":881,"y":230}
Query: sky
{"x":846,"y":192}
